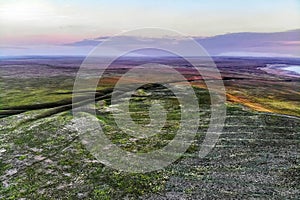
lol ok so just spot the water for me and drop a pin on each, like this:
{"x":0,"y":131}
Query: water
{"x":293,"y":68}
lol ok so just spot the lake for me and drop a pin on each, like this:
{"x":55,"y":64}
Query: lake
{"x":294,"y":68}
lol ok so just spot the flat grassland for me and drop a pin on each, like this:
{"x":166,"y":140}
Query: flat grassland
{"x":42,"y":156}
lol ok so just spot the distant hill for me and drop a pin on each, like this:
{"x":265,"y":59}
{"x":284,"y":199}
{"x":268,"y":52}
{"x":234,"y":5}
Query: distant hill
{"x":276,"y":44}
{"x":285,"y":44}
{"x":281,"y":43}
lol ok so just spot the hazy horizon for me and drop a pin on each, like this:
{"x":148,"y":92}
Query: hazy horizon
{"x":249,"y":44}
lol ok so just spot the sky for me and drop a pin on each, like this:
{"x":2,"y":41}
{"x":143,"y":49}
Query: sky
{"x":54,"y":22}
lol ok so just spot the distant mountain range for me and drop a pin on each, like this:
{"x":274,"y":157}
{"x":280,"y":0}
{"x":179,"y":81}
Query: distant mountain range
{"x":234,"y":44}
{"x":281,"y":43}
{"x":277,"y":44}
